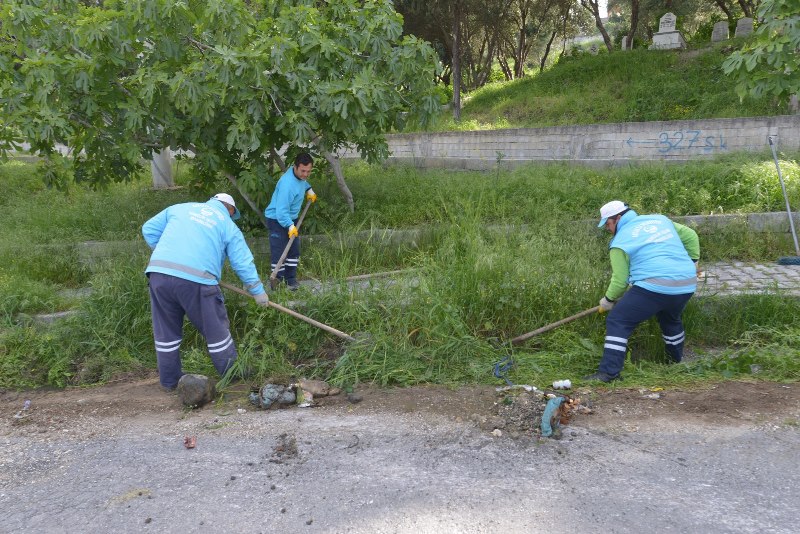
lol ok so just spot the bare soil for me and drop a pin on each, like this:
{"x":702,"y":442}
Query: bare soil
{"x":115,"y":407}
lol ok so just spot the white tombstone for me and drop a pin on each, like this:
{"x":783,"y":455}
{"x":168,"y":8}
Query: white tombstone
{"x":624,"y":43}
{"x":744,"y":27}
{"x":161,"y":169}
{"x":720,"y":32}
{"x":667,"y":23}
{"x":667,"y":37}
{"x":594,"y":49}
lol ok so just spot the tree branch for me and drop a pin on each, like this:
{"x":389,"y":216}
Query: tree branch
{"x":232,"y":179}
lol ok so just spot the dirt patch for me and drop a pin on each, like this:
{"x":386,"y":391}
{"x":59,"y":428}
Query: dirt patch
{"x":85,"y":412}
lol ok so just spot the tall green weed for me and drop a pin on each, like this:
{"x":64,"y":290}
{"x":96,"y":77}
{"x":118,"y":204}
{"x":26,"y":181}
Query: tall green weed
{"x":495,"y":255}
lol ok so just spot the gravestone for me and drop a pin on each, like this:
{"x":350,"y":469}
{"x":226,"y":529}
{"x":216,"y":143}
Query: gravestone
{"x":667,"y":23}
{"x":720,"y":32}
{"x":668,"y":37}
{"x":744,"y":27}
{"x":161,"y":169}
{"x":594,"y":49}
{"x":624,"y":44}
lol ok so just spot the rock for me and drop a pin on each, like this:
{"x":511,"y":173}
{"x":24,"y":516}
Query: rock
{"x":355,"y":398}
{"x":492,"y":423}
{"x":318,"y":388}
{"x":305,"y":398}
{"x":196,"y":390}
{"x":272,"y":394}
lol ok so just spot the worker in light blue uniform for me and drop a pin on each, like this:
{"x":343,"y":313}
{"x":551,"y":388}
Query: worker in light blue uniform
{"x":282,"y":213}
{"x":190,"y":243}
{"x":658,"y":259}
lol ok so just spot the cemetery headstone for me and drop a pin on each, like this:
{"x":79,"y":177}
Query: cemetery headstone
{"x":720,"y":32}
{"x":667,"y":23}
{"x":594,"y":49}
{"x":668,"y":37}
{"x":624,"y":44}
{"x":744,"y":27}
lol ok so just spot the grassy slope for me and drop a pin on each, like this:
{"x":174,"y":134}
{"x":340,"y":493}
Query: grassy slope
{"x":639,"y":85}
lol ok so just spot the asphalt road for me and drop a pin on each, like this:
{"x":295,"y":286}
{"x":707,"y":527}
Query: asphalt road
{"x":375,"y":471}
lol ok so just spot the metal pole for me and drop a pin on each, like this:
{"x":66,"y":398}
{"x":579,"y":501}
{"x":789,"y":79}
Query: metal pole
{"x":785,"y":196}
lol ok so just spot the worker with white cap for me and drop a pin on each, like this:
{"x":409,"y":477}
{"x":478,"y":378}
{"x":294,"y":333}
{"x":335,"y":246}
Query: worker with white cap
{"x":658,"y":259}
{"x":190,"y":243}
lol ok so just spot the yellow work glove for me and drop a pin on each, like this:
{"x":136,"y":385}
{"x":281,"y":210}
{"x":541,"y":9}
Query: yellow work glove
{"x":311,"y":195}
{"x":292,"y":231}
{"x":605,"y":305}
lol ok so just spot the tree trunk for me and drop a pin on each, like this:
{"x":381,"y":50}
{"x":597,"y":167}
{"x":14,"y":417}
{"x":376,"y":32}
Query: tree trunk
{"x":724,"y":7}
{"x":457,"y":63}
{"x":747,"y":7}
{"x":232,"y":179}
{"x":519,"y":55}
{"x":507,"y":72}
{"x":274,"y":156}
{"x":547,"y":51}
{"x":336,"y":166}
{"x":593,"y":7}
{"x":634,"y":22}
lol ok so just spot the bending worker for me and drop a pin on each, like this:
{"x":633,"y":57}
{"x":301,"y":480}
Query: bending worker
{"x":281,"y":214}
{"x":658,"y":258}
{"x":190,"y":243}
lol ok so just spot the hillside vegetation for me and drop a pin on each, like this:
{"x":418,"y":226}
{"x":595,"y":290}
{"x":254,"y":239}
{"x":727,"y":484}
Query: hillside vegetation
{"x":638,"y":85}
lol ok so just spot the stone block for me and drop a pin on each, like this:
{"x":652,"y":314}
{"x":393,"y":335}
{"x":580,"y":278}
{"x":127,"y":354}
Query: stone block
{"x":668,"y":41}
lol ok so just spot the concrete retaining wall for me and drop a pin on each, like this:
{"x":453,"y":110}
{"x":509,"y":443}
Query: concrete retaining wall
{"x":595,"y":144}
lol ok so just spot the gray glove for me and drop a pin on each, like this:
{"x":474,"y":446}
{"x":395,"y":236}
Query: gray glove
{"x":606,"y":305}
{"x":262,"y":299}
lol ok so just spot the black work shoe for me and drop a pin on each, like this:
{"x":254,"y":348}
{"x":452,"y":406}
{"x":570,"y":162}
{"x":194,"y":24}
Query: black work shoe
{"x":601,"y":377}
{"x":293,"y":287}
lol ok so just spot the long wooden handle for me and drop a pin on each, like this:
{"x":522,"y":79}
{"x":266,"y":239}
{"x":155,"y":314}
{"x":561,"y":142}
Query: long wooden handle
{"x":377,"y":275}
{"x":524,"y":337}
{"x":293,"y":313}
{"x":274,"y":274}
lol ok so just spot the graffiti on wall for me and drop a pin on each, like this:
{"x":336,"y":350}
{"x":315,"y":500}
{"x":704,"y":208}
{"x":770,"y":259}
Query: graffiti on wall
{"x":681,"y":140}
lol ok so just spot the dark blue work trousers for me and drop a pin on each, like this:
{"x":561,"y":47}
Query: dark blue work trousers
{"x":636,"y":306}
{"x":278,"y":238}
{"x":170,"y":299}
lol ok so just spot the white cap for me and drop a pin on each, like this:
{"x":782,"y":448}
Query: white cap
{"x":615,"y":207}
{"x":227,"y":199}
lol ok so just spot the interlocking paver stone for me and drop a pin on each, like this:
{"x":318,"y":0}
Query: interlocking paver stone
{"x":727,"y":278}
